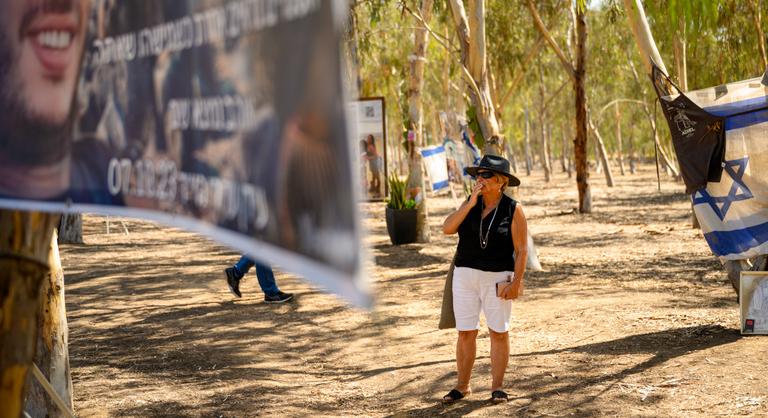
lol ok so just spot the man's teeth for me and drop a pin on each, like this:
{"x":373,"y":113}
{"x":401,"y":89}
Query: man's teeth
{"x":54,"y":39}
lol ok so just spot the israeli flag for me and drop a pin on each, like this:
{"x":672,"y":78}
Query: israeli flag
{"x":473,"y":152}
{"x":733,"y":212}
{"x":437,"y":166}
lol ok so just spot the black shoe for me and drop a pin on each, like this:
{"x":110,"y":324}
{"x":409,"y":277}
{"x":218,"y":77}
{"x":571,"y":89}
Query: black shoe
{"x":233,"y":281}
{"x":280,"y":297}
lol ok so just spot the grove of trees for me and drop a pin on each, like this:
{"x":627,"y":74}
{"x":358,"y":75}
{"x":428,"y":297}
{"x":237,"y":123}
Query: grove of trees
{"x":555,"y":80}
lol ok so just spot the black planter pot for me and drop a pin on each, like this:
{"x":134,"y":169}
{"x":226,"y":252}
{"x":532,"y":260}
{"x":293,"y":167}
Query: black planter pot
{"x":401,"y":225}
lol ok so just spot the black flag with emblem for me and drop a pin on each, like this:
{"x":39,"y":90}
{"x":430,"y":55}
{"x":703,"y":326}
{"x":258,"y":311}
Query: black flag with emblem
{"x":698,"y":136}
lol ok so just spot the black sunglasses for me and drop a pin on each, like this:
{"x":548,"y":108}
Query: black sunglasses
{"x":486,"y":174}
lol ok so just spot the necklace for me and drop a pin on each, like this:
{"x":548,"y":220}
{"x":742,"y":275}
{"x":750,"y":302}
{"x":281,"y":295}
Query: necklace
{"x":484,"y":240}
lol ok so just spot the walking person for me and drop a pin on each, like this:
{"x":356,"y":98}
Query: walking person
{"x":490,"y":266}
{"x":265,"y":275}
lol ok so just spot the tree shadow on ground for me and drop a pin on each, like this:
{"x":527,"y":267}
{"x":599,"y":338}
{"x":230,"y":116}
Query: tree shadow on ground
{"x":407,"y":256}
{"x":673,"y":273}
{"x":129,"y":318}
{"x":589,"y":374}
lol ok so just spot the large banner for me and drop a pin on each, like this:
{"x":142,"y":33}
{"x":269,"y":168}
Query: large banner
{"x":222,"y":117}
{"x":719,"y":134}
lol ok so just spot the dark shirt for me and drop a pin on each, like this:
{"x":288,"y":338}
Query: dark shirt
{"x":88,"y":176}
{"x":499,"y":253}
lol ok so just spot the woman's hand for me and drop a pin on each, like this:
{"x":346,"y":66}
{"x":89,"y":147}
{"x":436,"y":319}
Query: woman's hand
{"x":476,"y":189}
{"x":454,"y":220}
{"x":512,"y":290}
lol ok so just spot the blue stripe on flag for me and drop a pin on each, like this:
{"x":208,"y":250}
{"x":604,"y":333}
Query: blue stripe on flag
{"x":748,"y":119}
{"x":436,"y":150}
{"x":737,"y":241}
{"x":439,"y":185}
{"x":755,"y":103}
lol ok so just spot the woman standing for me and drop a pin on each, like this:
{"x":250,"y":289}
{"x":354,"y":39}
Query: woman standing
{"x":492,"y":249}
{"x":375,"y":162}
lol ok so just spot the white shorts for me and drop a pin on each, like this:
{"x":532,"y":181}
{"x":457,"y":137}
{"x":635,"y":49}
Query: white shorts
{"x":475,"y":289}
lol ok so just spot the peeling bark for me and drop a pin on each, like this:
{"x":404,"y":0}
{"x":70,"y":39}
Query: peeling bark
{"x":24,"y":242}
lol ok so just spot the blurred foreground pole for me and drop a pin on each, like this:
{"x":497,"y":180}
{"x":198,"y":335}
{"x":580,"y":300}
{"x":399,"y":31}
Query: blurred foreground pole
{"x":25,"y":239}
{"x":52,"y":354}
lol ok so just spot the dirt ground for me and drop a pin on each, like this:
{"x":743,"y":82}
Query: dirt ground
{"x":632,"y":316}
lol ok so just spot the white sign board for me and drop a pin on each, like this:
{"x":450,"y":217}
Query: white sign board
{"x":369,"y":132}
{"x":753,"y":302}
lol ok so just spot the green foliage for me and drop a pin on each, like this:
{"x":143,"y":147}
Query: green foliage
{"x":398,"y":194}
{"x":720,"y":36}
{"x":475,"y":126}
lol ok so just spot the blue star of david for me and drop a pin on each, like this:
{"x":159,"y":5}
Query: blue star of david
{"x":739,"y":191}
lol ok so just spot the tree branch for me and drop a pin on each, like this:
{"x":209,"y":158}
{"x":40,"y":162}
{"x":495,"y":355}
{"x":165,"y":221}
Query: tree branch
{"x":439,"y":38}
{"x":567,"y":65}
{"x":519,"y":77}
{"x":554,"y":95}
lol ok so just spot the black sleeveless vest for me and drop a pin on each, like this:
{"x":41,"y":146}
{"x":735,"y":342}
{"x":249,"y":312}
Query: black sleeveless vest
{"x":499,"y":253}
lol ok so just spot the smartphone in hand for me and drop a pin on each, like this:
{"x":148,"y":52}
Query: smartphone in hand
{"x":500,"y":286}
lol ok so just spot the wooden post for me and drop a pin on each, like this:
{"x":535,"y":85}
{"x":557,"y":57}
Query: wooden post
{"x":25,"y":238}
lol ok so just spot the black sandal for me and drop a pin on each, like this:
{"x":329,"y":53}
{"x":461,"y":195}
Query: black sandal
{"x":453,"y":396}
{"x":499,"y":396}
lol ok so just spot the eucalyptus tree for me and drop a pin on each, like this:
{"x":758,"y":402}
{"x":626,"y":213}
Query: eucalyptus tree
{"x":416,"y":63}
{"x":25,"y":241}
{"x":382,"y":65}
{"x":576,"y":71}
{"x":470,"y":28}
{"x":71,"y":228}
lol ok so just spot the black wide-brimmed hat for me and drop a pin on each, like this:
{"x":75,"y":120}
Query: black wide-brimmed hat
{"x":496,"y":164}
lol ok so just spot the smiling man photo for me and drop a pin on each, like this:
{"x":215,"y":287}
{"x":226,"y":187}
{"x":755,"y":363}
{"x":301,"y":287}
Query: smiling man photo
{"x":41,"y":45}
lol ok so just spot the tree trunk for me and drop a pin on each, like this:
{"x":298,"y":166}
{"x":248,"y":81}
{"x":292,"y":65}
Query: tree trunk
{"x":352,"y":60}
{"x":511,"y":156}
{"x":52,"y":355}
{"x":619,"y":146}
{"x":681,"y":65}
{"x":632,"y":155}
{"x":548,"y":144}
{"x":580,"y":142}
{"x":564,"y":150}
{"x":603,"y":154}
{"x":667,"y":162}
{"x":416,"y":82}
{"x":545,"y":160}
{"x":757,"y":17}
{"x":71,"y":228}
{"x":642,"y":32}
{"x":598,"y":160}
{"x":679,"y":47}
{"x":542,"y":134}
{"x":649,"y":53}
{"x":25,"y":238}
{"x":471,"y":32}
{"x":527,"y":144}
{"x":577,"y":74}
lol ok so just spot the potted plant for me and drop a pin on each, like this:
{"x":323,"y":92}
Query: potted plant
{"x":401,"y":212}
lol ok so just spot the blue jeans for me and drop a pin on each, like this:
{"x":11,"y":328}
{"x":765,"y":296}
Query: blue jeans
{"x":263,"y":273}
